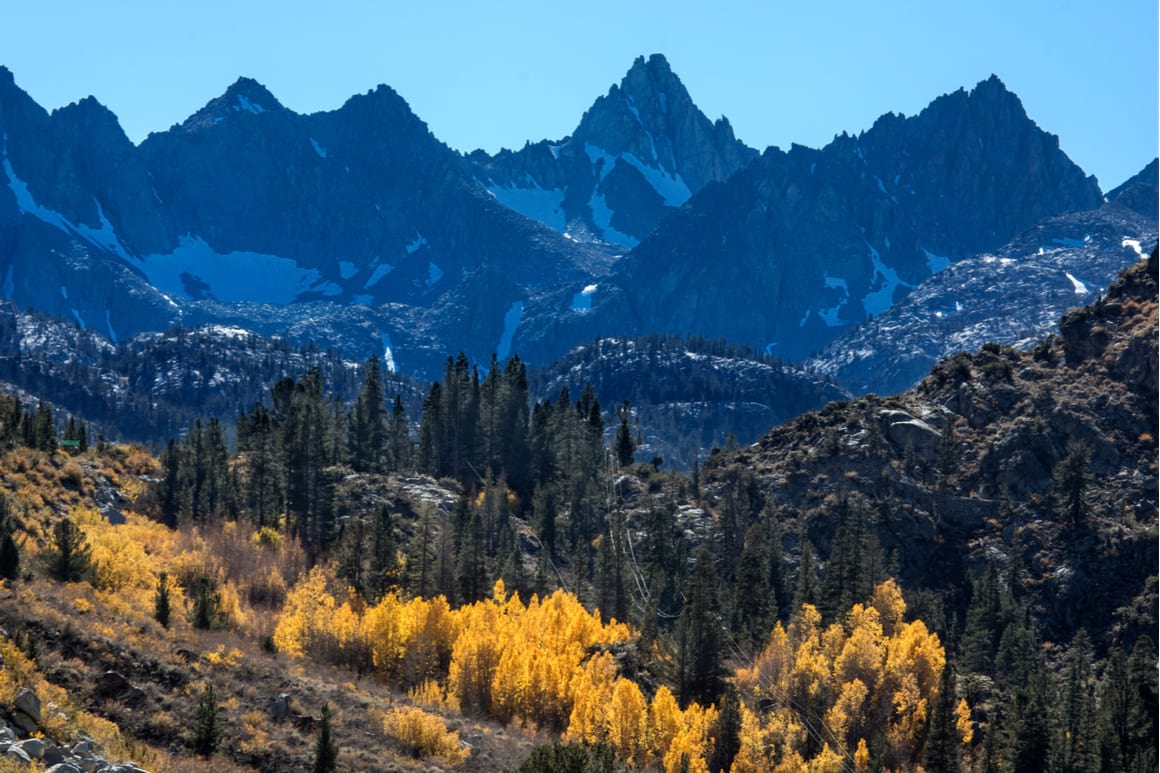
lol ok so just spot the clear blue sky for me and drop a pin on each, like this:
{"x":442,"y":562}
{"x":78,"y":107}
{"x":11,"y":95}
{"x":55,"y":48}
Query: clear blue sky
{"x":494,"y":74}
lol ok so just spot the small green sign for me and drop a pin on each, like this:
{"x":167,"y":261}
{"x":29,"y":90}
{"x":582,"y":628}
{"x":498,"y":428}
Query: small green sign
{"x":70,"y":443}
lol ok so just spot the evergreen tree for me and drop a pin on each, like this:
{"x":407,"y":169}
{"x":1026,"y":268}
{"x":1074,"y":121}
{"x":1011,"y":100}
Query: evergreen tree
{"x":727,"y":733}
{"x":44,"y":429}
{"x":419,"y":570}
{"x":472,"y":569}
{"x":1078,"y":745}
{"x":367,"y":436}
{"x":9,"y":550}
{"x":325,"y":749}
{"x":67,"y":556}
{"x":755,"y":605}
{"x":206,"y":612}
{"x":699,"y":639}
{"x":942,"y":741}
{"x":624,"y":445}
{"x":986,"y":618}
{"x":383,"y":573}
{"x":169,"y":488}
{"x":804,"y":592}
{"x":400,"y":437}
{"x":1072,"y":481}
{"x":842,"y":583}
{"x":161,"y":601}
{"x":206,"y":725}
{"x":1030,"y":736}
{"x":612,"y":570}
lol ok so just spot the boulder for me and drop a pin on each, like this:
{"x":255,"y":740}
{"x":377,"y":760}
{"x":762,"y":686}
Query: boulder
{"x":112,"y":685}
{"x":64,"y":767}
{"x":278,"y":708}
{"x":33,"y":747}
{"x":28,"y":703}
{"x":917,"y":434}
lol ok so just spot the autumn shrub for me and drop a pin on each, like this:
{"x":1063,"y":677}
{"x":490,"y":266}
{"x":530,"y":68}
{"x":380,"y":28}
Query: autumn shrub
{"x":422,"y":734}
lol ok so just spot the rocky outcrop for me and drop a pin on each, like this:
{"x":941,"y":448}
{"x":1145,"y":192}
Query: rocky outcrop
{"x":44,"y":753}
{"x":995,"y":425}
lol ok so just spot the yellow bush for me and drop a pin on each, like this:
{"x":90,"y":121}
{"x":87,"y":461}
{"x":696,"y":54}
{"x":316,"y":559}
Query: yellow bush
{"x":421,"y":734}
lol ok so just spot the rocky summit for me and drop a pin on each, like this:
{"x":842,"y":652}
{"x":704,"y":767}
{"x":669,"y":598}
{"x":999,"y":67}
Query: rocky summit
{"x":638,"y":153}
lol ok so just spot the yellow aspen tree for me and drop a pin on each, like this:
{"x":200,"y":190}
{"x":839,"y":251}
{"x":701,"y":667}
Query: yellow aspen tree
{"x":306,"y":615}
{"x":861,"y":757}
{"x":963,"y":722}
{"x":665,"y":720}
{"x":625,"y":721}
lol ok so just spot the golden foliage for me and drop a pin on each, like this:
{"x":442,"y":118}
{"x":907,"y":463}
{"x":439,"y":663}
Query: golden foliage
{"x":869,"y":671}
{"x":422,"y":734}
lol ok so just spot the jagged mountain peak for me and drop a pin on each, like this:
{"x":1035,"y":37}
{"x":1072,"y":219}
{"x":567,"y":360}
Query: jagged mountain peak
{"x":244,"y":96}
{"x":250,"y":95}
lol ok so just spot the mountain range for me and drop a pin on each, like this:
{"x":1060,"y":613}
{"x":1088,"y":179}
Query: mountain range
{"x":357,"y":229}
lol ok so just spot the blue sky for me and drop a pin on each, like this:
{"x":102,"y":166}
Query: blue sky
{"x":494,"y":74}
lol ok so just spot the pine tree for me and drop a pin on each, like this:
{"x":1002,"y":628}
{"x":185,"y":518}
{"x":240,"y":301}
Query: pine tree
{"x":44,"y":429}
{"x":206,"y":725}
{"x":400,"y":437}
{"x":1072,"y":481}
{"x":727,"y":733}
{"x":206,"y":612}
{"x":804,"y":592}
{"x":383,"y":573}
{"x":161,"y":600}
{"x":942,"y":741}
{"x":624,"y":445}
{"x":367,"y":437}
{"x":1078,"y":745}
{"x":169,"y":489}
{"x":325,"y":750}
{"x":472,"y":569}
{"x":9,"y":550}
{"x":67,"y":556}
{"x":699,"y":638}
{"x":755,"y":605}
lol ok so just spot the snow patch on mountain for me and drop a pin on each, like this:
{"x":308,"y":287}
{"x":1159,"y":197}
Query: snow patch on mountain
{"x":248,"y":106}
{"x":511,"y":321}
{"x":830,"y":315}
{"x":388,"y":351}
{"x":582,"y":301}
{"x":1080,"y":287}
{"x":1135,"y":245}
{"x":416,"y":243}
{"x":434,"y":274}
{"x":104,"y":237}
{"x":670,"y":186}
{"x":935,"y":263}
{"x":231,"y":277}
{"x":376,"y":276}
{"x":321,"y":151}
{"x":532,"y":201}
{"x":346,"y":269}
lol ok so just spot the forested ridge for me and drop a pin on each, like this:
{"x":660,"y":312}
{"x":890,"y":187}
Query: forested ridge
{"x":958,"y":578}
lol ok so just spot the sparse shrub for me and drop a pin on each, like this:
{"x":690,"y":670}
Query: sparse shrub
{"x":72,"y":475}
{"x":421,"y":734}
